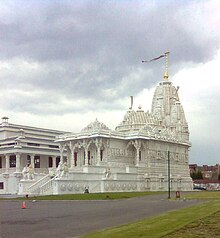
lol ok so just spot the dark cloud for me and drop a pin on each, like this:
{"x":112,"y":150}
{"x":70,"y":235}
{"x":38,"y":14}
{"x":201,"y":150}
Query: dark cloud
{"x":84,"y":49}
{"x":102,"y":32}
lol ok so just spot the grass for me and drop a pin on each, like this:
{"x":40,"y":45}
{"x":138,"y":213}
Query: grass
{"x":202,"y":228}
{"x":197,"y":221}
{"x":89,"y":196}
{"x":207,"y":195}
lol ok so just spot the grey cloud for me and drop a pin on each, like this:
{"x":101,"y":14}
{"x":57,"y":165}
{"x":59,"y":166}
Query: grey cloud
{"x":68,"y":31}
{"x":84,"y":48}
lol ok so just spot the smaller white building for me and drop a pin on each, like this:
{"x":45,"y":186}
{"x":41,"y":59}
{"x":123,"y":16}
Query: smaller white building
{"x":22,"y":146}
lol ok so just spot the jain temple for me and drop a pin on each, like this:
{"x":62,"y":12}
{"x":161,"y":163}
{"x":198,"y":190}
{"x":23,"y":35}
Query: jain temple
{"x":133,"y":157}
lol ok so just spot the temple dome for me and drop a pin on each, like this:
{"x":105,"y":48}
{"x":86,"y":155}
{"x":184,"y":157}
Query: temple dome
{"x":95,"y":126}
{"x":135,"y":120}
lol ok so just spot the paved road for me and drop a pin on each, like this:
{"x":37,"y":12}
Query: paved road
{"x":64,"y":219}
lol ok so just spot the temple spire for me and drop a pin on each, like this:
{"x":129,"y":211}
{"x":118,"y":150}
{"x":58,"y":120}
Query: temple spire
{"x":166,"y":76}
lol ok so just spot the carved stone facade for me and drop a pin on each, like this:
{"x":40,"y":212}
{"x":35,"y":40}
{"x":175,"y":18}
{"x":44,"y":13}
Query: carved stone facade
{"x":135,"y":153}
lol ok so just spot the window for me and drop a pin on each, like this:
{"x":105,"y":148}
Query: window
{"x":28,"y":159}
{"x":1,"y":185}
{"x":139,"y":155}
{"x":12,"y":161}
{"x":50,"y":162}
{"x":101,"y":154}
{"x":36,"y":161}
{"x":0,"y":162}
{"x":75,"y":158}
{"x":57,"y":161}
{"x":89,"y":157}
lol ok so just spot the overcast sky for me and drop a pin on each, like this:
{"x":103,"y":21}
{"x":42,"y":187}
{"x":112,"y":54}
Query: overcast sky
{"x":65,"y":63}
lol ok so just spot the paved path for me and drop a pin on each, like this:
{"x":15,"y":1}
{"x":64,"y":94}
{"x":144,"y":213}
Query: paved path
{"x":64,"y":219}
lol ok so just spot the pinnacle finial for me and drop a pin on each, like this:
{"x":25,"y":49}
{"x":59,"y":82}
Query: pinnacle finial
{"x":166,"y":76}
{"x":130,"y":108}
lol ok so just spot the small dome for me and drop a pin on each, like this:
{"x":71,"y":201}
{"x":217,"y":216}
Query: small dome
{"x":95,"y":126}
{"x":136,"y":120}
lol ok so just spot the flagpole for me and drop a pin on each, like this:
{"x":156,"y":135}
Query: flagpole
{"x":166,"y":76}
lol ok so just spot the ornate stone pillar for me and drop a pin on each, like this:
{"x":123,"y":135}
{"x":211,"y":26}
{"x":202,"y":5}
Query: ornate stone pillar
{"x":54,"y":162}
{"x":98,"y":145}
{"x":72,"y":156}
{"x":32,"y":160}
{"x":108,"y":151}
{"x":86,"y":156}
{"x":86,"y":147}
{"x":18,"y":162}
{"x":137,"y":145}
{"x":61,"y":157}
{"x":72,"y":148}
{"x":69,"y":156}
{"x":6,"y":163}
{"x":61,"y":147}
{"x":98,"y":155}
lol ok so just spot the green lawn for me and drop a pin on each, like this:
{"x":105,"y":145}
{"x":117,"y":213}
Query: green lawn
{"x":208,"y":195}
{"x":202,"y":228}
{"x":188,"y":222}
{"x":90,"y":196}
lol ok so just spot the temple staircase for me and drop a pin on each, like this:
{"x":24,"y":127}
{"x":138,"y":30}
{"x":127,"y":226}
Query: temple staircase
{"x":47,"y":187}
{"x":42,"y":186}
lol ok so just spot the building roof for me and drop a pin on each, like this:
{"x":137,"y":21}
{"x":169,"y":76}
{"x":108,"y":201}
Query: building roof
{"x":166,"y":122}
{"x":135,"y":120}
{"x":95,"y":126}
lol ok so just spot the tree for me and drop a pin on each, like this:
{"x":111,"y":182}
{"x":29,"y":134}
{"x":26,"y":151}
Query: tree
{"x":196,"y":175}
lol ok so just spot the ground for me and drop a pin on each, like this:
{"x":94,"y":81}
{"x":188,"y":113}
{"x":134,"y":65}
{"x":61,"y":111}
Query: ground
{"x":74,"y":218}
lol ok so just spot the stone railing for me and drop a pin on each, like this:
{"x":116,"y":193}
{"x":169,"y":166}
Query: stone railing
{"x":9,"y":170}
{"x":47,"y":188}
{"x":35,"y":188}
